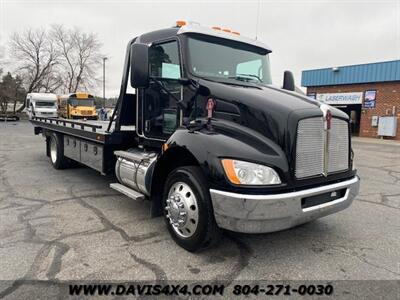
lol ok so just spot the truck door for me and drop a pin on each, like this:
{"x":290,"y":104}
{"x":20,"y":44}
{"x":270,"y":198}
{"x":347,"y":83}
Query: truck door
{"x":160,"y":112}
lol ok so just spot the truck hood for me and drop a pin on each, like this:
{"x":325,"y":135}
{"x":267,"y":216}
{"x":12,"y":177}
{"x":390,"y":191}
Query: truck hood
{"x":271,"y":111}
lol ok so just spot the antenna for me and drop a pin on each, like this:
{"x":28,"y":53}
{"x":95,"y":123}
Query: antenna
{"x":258,"y":17}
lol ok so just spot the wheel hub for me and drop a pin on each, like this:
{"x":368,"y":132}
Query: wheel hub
{"x":181,"y":209}
{"x":176,"y":211}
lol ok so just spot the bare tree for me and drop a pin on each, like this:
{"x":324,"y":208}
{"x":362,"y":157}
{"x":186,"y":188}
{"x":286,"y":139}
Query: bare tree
{"x":35,"y":56}
{"x":65,"y":45}
{"x":2,"y":53}
{"x":79,"y":55}
{"x":3,"y":96}
{"x":53,"y":83}
{"x":56,"y":60}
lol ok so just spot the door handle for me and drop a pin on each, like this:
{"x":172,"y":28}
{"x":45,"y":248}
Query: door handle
{"x":147,"y":125}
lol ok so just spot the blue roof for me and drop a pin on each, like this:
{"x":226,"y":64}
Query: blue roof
{"x":373,"y":72}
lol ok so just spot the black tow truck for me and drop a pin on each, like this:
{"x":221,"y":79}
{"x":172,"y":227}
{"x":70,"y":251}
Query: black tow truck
{"x":207,"y":138}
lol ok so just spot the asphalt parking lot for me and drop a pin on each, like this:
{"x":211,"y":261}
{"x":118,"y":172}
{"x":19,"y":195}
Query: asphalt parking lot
{"x":69,"y":225}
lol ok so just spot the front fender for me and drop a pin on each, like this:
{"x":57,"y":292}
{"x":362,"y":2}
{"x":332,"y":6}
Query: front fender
{"x":209,"y":146}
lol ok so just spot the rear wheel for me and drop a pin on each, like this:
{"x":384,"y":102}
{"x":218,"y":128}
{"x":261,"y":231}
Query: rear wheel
{"x":57,"y":158}
{"x":188,"y":210}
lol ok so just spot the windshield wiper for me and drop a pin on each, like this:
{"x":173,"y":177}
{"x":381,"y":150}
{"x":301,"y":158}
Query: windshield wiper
{"x":231,"y":82}
{"x":239,"y":76}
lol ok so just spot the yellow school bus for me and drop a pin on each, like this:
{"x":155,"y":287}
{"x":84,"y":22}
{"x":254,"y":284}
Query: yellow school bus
{"x":77,"y":106}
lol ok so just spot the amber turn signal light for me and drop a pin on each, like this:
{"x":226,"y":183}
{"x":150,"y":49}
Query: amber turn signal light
{"x":229,"y":168}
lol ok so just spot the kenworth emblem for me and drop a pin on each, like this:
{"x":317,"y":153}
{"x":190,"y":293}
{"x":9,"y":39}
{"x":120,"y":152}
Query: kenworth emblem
{"x":328,"y":119}
{"x":327,"y":115}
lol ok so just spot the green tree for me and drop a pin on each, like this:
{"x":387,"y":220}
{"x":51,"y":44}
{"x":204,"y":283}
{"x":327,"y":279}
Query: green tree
{"x":11,"y":92}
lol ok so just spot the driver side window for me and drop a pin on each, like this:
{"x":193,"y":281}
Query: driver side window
{"x":160,"y":109}
{"x":164,"y":61}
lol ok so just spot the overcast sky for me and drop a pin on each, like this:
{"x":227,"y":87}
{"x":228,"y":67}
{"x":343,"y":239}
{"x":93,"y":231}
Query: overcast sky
{"x":303,"y":34}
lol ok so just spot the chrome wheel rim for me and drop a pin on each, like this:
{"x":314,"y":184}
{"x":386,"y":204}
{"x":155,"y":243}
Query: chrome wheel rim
{"x":182,"y":210}
{"x":53,"y":150}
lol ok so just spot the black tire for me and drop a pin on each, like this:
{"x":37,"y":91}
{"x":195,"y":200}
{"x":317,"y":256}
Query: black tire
{"x":207,"y":232}
{"x":56,"y":147}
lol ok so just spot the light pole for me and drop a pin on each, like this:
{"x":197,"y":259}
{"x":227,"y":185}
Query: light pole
{"x":104,"y":81}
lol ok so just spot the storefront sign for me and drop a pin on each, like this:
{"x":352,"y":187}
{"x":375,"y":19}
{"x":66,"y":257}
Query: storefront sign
{"x":340,"y":98}
{"x":370,"y":99}
{"x":312,"y":95}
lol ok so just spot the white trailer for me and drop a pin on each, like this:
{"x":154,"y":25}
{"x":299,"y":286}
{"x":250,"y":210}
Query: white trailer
{"x":41,"y":105}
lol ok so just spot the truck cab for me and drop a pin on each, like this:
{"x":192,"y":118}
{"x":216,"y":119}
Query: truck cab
{"x":41,"y":105}
{"x":201,"y":132}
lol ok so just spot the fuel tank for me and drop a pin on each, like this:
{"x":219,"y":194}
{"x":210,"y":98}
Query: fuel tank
{"x":134,"y":169}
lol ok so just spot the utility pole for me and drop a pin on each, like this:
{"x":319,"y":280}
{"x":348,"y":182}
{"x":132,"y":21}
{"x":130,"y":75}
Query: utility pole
{"x":104,"y":81}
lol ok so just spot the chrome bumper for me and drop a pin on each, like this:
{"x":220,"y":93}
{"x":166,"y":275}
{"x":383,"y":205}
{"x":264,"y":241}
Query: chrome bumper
{"x":268,"y":213}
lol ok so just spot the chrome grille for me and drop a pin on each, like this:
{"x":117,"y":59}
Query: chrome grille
{"x":310,"y":147}
{"x":338,"y":144}
{"x":312,"y":142}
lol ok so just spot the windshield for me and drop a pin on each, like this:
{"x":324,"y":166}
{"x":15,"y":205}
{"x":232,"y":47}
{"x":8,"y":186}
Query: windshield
{"x":45,"y":104}
{"x":237,"y":61}
{"x":81,"y":102}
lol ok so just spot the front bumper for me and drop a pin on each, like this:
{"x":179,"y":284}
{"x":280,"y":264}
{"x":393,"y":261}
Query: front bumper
{"x":52,"y":115}
{"x":268,"y":213}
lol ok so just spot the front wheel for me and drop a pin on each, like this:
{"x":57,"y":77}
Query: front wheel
{"x":188,"y":210}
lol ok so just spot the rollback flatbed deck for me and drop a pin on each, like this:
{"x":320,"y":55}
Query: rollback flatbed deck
{"x":88,"y":142}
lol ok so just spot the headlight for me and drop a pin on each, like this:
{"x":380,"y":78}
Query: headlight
{"x":241,"y":172}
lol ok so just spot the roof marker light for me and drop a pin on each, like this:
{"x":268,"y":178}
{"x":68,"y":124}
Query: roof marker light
{"x":181,"y":23}
{"x":216,"y":28}
{"x":226,"y":30}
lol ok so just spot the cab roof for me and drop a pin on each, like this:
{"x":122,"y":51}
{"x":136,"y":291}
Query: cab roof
{"x":42,"y":96}
{"x":166,"y":33}
{"x":78,"y":95}
{"x":195,"y":28}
